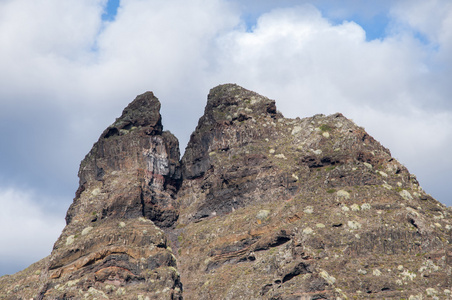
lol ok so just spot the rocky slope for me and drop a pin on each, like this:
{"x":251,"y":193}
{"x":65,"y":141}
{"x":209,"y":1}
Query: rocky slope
{"x":259,"y":207}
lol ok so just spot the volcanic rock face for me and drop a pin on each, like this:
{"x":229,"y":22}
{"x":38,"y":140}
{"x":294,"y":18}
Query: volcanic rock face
{"x":259,"y":207}
{"x":113,"y":245}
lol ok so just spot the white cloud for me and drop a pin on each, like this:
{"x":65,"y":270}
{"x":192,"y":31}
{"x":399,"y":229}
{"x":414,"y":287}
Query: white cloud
{"x":28,"y":228}
{"x":41,"y":39}
{"x":298,"y":51}
{"x":159,"y":44}
{"x":431,"y":18}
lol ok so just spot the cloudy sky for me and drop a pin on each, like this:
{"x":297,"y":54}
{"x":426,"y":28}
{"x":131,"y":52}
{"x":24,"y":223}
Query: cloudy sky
{"x":68,"y":68}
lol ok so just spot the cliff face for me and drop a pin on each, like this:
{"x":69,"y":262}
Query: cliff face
{"x":113,"y":242}
{"x":259,"y":207}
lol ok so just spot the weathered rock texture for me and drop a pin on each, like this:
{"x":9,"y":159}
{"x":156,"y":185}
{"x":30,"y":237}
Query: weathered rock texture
{"x":113,"y":245}
{"x":259,"y":207}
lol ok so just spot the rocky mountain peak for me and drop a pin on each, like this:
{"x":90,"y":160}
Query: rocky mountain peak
{"x":230,"y":102}
{"x":128,"y":185}
{"x":259,"y":207}
{"x":227,"y":105}
{"x":144,"y":111}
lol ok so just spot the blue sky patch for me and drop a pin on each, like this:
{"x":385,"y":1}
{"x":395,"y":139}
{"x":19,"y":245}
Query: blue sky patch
{"x":110,"y":10}
{"x":375,"y":25}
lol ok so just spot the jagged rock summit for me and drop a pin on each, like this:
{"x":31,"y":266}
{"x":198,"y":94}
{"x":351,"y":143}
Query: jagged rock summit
{"x":259,"y":207}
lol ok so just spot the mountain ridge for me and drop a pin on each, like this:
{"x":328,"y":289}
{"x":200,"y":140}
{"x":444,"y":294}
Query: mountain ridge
{"x":259,"y":207}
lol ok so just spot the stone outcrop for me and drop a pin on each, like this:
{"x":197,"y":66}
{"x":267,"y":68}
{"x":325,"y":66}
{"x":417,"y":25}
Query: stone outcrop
{"x":259,"y":207}
{"x":113,"y":244}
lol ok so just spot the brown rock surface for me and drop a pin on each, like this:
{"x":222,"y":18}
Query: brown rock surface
{"x":259,"y":207}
